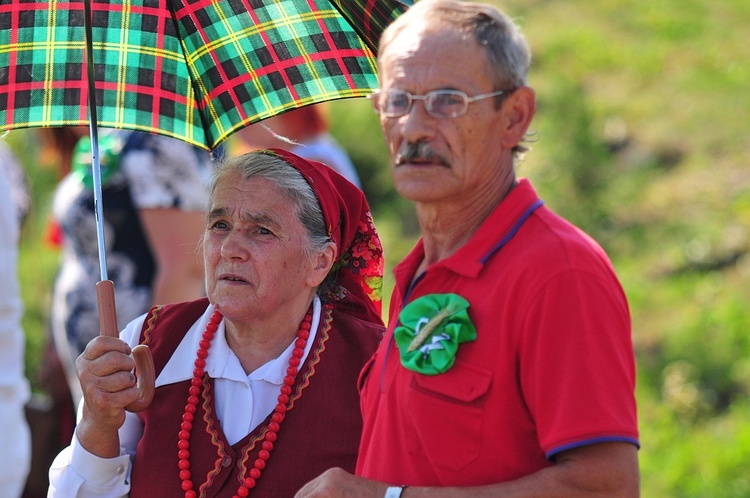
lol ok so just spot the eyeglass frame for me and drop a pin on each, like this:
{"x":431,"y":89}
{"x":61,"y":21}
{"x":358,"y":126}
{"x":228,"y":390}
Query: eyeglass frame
{"x":425,"y":97}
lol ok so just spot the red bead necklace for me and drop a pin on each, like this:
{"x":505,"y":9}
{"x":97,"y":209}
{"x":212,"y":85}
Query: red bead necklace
{"x":183,"y":453}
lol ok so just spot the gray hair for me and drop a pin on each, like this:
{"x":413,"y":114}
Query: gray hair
{"x":265,"y":164}
{"x":503,"y":43}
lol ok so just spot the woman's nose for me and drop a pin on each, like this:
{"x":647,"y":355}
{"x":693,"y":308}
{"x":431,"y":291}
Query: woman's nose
{"x":233,"y":246}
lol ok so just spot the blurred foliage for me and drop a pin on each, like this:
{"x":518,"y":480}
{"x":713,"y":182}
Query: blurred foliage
{"x":641,"y":139}
{"x":37,"y":261}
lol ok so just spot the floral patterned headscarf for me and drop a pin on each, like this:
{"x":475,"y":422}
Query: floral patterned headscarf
{"x":358,"y":268}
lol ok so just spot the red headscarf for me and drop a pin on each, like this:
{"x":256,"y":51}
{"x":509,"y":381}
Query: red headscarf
{"x":358,"y":268}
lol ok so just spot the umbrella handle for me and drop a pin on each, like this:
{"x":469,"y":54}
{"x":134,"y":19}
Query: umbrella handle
{"x":144,"y":362}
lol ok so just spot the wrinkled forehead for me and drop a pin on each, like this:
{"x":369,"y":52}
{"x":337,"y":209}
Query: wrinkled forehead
{"x":422,"y":36}
{"x":433,"y":57}
{"x":234,"y":190}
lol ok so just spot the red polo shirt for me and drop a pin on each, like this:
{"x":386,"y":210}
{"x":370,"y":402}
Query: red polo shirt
{"x":552,"y":367}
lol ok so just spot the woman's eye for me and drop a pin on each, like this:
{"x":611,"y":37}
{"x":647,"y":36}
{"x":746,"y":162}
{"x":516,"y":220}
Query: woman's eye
{"x":218,"y":225}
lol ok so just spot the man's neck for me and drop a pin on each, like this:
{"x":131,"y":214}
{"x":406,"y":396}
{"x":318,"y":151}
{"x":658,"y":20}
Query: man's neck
{"x":446,"y":227}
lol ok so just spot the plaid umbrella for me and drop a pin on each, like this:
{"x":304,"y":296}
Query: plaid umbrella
{"x":196,"y":70}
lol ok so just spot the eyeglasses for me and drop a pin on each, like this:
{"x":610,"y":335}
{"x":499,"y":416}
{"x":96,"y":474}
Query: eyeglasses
{"x":438,"y":103}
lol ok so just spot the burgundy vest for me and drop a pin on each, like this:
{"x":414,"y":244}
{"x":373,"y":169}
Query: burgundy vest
{"x":321,"y":429}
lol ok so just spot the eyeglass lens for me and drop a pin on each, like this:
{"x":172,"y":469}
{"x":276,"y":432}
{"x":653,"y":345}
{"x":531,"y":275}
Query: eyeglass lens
{"x":439,"y":103}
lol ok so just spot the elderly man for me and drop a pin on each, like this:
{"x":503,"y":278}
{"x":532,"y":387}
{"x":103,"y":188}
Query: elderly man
{"x":508,"y":366}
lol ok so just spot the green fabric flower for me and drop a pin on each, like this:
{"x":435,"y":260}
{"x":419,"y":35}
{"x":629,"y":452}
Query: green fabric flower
{"x":430,"y":330}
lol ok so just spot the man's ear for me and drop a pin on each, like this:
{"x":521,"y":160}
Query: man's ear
{"x":321,"y":265}
{"x":518,"y":110}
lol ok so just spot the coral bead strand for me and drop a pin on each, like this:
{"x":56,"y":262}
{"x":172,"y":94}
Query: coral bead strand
{"x":186,"y":427}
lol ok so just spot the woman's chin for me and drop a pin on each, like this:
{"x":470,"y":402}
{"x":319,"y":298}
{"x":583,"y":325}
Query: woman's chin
{"x":231,"y":305}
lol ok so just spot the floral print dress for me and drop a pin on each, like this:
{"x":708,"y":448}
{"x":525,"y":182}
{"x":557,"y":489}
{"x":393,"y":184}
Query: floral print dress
{"x":140,"y":171}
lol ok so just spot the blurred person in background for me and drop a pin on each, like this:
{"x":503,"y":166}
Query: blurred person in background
{"x":15,"y":177}
{"x":154,"y":191}
{"x":304,"y":132}
{"x":15,"y":438}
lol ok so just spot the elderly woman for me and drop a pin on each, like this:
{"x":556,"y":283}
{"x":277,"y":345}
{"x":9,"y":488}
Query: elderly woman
{"x":256,"y":385}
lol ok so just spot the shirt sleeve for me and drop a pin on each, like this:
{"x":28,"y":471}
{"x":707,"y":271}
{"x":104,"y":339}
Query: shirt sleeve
{"x":77,"y":472}
{"x":577,"y":363}
{"x":166,"y":173}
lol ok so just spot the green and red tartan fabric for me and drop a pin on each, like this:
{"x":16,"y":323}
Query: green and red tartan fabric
{"x":197,"y":70}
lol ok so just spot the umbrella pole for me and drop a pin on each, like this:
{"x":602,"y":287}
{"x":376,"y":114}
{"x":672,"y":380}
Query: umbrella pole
{"x":105,"y":288}
{"x":105,"y":291}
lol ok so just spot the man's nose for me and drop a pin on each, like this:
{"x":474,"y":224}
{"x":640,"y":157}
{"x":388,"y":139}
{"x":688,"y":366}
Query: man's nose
{"x":417,"y":124}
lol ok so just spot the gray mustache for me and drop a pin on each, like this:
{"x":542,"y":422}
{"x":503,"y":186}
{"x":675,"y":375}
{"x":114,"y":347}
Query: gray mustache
{"x":419,"y":151}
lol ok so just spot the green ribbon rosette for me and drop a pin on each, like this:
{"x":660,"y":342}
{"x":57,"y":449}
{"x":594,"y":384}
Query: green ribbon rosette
{"x":430,"y":330}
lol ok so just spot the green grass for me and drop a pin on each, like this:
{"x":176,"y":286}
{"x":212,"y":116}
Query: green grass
{"x":671,"y":205}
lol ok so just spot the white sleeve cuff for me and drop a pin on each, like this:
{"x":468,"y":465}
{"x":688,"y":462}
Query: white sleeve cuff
{"x":97,"y":471}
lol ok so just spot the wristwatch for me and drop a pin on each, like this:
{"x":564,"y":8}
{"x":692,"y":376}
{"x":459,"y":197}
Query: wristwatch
{"x":394,"y":491}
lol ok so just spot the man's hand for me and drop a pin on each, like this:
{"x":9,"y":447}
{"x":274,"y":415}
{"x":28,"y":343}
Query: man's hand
{"x":338,"y":483}
{"x":591,"y":471}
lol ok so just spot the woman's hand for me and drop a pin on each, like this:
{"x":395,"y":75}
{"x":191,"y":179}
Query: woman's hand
{"x":105,"y":372}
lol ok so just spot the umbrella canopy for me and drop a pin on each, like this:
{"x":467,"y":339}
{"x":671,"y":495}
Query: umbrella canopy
{"x":196,"y":70}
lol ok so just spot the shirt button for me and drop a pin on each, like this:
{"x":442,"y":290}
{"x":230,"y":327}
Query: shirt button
{"x":226,"y":461}
{"x":120,"y":470}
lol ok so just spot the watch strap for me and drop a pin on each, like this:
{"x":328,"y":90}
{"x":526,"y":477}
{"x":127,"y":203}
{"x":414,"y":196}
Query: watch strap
{"x":394,"y":491}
